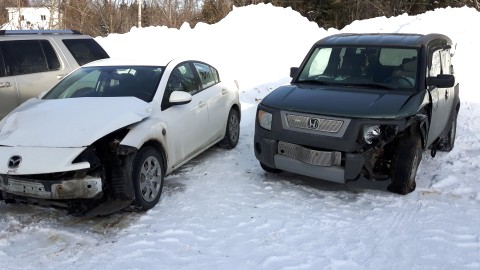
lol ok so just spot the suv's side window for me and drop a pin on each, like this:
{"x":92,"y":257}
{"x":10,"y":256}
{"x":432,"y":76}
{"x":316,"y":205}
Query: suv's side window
{"x":446,"y":62}
{"x":29,"y":56}
{"x":2,"y":65}
{"x":436,"y":65}
{"x":208,"y":75}
{"x":85,"y":50}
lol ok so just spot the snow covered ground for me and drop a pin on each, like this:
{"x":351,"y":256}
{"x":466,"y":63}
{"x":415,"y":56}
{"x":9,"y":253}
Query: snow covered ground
{"x":221,"y":211}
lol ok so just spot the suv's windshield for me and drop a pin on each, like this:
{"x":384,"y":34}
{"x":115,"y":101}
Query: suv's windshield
{"x":373,"y":67}
{"x":108,"y":81}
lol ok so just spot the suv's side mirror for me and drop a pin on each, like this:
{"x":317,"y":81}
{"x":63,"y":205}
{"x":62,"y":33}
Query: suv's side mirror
{"x":293,"y":72}
{"x":179,"y":98}
{"x":442,"y":81}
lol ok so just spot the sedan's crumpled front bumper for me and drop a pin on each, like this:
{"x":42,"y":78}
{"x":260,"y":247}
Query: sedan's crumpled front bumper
{"x":22,"y":176}
{"x":82,"y":188}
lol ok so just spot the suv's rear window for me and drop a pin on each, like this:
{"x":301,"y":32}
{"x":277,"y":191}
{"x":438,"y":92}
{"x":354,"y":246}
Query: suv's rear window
{"x":85,"y":50}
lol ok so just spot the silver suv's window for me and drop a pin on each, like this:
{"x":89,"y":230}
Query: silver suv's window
{"x":122,"y":81}
{"x":377,"y":67}
{"x":28,"y":56}
{"x":85,"y":50}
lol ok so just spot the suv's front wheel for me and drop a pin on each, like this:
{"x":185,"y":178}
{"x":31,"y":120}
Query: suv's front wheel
{"x":405,"y":164}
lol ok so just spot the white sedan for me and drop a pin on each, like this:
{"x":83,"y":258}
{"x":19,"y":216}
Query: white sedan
{"x":105,"y":136}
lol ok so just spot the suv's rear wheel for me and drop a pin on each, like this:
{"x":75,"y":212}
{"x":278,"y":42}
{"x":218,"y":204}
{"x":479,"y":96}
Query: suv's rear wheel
{"x":449,"y":142}
{"x":405,"y":164}
{"x":147,"y":178}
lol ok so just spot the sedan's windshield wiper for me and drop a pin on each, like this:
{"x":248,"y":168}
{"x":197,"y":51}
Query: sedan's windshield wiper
{"x":372,"y":85}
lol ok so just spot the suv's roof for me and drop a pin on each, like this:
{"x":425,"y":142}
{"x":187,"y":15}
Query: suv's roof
{"x":390,"y":39}
{"x":38,"y":32}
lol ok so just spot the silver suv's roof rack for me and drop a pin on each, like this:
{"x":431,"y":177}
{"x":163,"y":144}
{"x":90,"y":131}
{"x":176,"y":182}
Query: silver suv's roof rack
{"x":33,"y":32}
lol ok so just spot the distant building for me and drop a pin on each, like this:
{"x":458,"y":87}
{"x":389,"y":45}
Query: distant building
{"x":31,"y":18}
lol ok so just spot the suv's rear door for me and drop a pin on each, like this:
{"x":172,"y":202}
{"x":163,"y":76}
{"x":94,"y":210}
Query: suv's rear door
{"x":34,"y":65}
{"x":8,"y":90}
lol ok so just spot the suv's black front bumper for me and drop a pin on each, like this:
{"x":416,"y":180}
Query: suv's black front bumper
{"x":347,"y":145}
{"x":266,"y":151}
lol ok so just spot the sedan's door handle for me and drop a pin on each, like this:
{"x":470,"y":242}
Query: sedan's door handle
{"x":60,"y":76}
{"x":5,"y":84}
{"x":446,"y":94}
{"x":202,"y":104}
{"x":224,"y":91}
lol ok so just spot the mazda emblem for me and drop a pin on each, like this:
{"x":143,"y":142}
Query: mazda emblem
{"x":313,"y":123}
{"x":14,"y":162}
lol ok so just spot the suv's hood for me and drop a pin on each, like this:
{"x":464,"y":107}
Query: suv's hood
{"x":343,"y":101}
{"x":74,"y":122}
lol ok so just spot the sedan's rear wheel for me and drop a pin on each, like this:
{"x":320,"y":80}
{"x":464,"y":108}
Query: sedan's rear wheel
{"x":232,"y":132}
{"x":147,"y":178}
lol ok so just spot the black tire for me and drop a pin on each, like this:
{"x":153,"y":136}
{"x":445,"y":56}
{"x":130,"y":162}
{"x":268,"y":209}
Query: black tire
{"x":448,"y":143}
{"x":232,"y":132}
{"x":405,"y":164}
{"x":147,"y":178}
{"x":269,"y":169}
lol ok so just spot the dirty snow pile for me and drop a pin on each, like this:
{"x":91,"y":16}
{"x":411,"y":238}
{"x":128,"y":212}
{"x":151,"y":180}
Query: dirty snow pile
{"x":221,"y":211}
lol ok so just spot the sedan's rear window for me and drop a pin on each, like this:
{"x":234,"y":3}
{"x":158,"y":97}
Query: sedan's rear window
{"x":119,"y":81}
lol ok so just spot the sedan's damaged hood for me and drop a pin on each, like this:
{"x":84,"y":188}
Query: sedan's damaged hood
{"x":74,"y":122}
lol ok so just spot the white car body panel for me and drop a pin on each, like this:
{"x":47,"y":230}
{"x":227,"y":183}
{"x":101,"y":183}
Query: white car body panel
{"x":50,"y":134}
{"x":36,"y":160}
{"x":82,"y":121}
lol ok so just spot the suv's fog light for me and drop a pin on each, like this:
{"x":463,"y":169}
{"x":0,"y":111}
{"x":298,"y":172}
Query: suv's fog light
{"x":265,"y":119}
{"x":370,"y":133}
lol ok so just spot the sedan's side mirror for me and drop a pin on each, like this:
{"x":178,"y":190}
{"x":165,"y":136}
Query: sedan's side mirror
{"x":293,"y":72}
{"x":442,"y":81}
{"x":179,"y":98}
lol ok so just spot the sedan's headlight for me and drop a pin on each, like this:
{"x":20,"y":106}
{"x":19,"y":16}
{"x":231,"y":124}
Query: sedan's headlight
{"x":371,"y":133}
{"x":264,"y":119}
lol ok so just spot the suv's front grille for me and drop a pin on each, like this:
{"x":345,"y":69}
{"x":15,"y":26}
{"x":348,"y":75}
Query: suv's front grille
{"x":314,"y":157}
{"x":313,"y":123}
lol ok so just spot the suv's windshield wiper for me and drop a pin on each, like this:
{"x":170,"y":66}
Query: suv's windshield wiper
{"x":314,"y":82}
{"x":373,"y":85}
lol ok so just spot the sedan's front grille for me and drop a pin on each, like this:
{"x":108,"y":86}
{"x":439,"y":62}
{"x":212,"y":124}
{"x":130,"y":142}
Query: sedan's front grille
{"x":313,"y":123}
{"x":314,"y":157}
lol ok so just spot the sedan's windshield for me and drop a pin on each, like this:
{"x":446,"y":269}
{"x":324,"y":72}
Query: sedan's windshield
{"x":108,"y":81}
{"x":372,"y":67}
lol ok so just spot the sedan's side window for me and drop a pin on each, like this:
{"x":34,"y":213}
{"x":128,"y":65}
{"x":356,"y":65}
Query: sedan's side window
{"x":207,"y":74}
{"x":182,"y":78}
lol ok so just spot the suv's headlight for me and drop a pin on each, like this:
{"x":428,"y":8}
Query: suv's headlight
{"x":264,"y":119}
{"x":371,"y":133}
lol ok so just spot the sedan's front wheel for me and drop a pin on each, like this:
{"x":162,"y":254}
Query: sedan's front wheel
{"x":147,"y":178}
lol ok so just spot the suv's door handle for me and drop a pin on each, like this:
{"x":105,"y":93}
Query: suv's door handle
{"x":224,"y":91}
{"x":446,"y":94}
{"x":60,"y":76}
{"x":202,"y":104}
{"x":5,"y":84}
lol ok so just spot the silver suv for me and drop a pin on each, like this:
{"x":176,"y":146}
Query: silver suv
{"x":33,"y":61}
